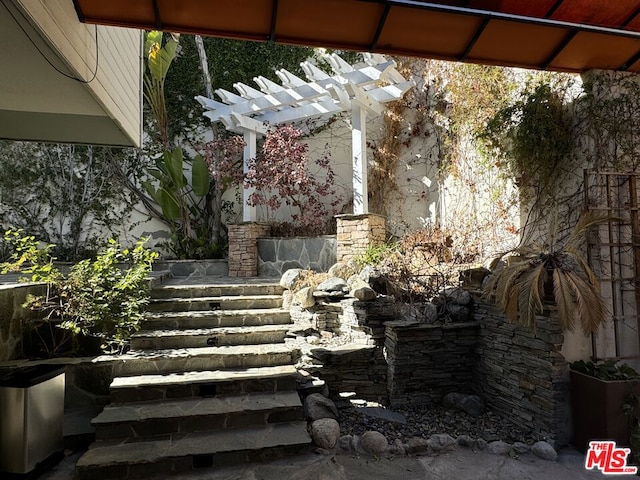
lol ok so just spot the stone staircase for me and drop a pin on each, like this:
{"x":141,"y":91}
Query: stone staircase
{"x":208,"y":382}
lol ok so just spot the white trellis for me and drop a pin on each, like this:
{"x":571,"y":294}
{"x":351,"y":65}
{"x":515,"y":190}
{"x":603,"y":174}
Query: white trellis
{"x":361,"y":90}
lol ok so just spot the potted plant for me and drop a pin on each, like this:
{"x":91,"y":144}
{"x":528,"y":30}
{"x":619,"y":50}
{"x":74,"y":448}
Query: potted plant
{"x":602,"y":396}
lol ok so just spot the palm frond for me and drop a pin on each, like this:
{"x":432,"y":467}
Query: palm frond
{"x":590,"y":311}
{"x":505,"y":280}
{"x":578,"y":235}
{"x":530,"y":285}
{"x":565,"y":301}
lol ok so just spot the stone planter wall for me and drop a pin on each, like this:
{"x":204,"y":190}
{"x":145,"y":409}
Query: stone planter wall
{"x":277,"y":255}
{"x":243,"y":249}
{"x":428,"y":361}
{"x":12,"y":316}
{"x":523,"y":375}
{"x":193,"y":268}
{"x":356,"y":233}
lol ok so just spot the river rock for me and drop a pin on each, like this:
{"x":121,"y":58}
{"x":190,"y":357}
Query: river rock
{"x":305,"y":298}
{"x":545,"y":451}
{"x":333,"y":284}
{"x":325,"y":433}
{"x":441,"y":442}
{"x":364,"y":294}
{"x":290,"y":277}
{"x":499,"y":447}
{"x":374,"y":443}
{"x":317,"y":406}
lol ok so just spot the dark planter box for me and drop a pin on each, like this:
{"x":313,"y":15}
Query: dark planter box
{"x":597,"y":409}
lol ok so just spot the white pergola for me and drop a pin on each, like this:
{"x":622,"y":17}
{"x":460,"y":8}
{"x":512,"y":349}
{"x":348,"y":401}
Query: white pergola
{"x":361,"y":90}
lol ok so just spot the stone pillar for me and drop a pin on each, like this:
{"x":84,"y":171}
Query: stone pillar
{"x":356,"y":233}
{"x":243,"y":248}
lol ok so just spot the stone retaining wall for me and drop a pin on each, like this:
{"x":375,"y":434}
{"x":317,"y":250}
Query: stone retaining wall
{"x":353,"y":368}
{"x":12,"y":315}
{"x":193,"y":268}
{"x":277,"y":255}
{"x":522,"y":375}
{"x":427,"y":361}
{"x":356,"y":233}
{"x":243,"y":249}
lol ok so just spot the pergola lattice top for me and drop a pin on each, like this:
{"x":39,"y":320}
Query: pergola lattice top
{"x":360,"y":90}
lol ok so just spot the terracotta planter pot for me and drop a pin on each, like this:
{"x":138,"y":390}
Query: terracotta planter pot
{"x":597,"y":409}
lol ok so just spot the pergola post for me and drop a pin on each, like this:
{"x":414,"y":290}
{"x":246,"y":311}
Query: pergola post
{"x":249,"y":213}
{"x":359,"y":160}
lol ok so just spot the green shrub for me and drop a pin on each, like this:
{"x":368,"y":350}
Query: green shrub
{"x":105,"y":297}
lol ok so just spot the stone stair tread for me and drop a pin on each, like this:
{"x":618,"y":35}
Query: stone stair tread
{"x":220,"y":299}
{"x":202,"y":443}
{"x":221,"y":313}
{"x":202,"y":377}
{"x":266,"y":348}
{"x":189,"y":407}
{"x":210,"y":331}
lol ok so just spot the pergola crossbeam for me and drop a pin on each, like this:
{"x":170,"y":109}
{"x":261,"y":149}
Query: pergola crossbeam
{"x":360,"y":90}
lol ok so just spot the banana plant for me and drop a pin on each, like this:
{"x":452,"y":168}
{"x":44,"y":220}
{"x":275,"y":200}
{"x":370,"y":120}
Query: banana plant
{"x":159,"y":58}
{"x":173,"y":193}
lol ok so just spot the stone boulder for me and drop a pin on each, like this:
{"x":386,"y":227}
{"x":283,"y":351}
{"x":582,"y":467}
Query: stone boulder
{"x":459,"y":313}
{"x":333,"y":284}
{"x":342,"y":270}
{"x":373,"y":443}
{"x":441,"y":442}
{"x":364,"y":294}
{"x":473,"y":277}
{"x":317,"y":406}
{"x":325,"y":433}
{"x":417,"y":445}
{"x":456,"y":295}
{"x":290,"y":277}
{"x":545,"y":451}
{"x":471,"y":404}
{"x":499,"y":448}
{"x":305,"y":298}
{"x":419,"y":313}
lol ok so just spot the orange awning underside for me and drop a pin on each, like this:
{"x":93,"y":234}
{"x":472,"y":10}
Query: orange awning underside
{"x":565,"y":35}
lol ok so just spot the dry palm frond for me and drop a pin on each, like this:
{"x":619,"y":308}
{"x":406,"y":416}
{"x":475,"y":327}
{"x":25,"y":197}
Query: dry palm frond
{"x":531,"y":284}
{"x":565,"y":300}
{"x":579,"y":233}
{"x":505,"y":280}
{"x":589,"y":308}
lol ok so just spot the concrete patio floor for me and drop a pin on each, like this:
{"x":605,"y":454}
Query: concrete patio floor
{"x":461,"y":464}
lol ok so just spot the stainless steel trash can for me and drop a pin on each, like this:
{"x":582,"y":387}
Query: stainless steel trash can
{"x":31,"y":416}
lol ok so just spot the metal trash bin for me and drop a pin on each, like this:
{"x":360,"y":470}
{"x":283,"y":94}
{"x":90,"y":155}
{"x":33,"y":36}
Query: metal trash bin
{"x":31,"y":416}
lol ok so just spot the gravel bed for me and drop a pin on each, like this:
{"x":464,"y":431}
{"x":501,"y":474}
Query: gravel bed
{"x":423,"y":421}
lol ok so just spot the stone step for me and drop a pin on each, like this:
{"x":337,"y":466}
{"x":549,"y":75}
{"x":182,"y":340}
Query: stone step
{"x":142,"y":362}
{"x":196,"y":384}
{"x":216,"y":318}
{"x":215,"y":303}
{"x":208,"y":337}
{"x":179,"y":453}
{"x":170,"y":417}
{"x":207,"y":290}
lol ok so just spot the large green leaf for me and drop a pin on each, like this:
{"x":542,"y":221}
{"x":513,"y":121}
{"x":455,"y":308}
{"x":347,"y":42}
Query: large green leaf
{"x":200,"y":176}
{"x":159,"y":57}
{"x":174,"y":164}
{"x":169,"y":204}
{"x":151,"y":190}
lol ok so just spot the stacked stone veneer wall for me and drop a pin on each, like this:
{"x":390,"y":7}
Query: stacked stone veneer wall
{"x":356,"y":233}
{"x":12,"y":316}
{"x":277,"y":255}
{"x":522,"y":375}
{"x":360,"y":366}
{"x":428,"y":361}
{"x":243,"y":248}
